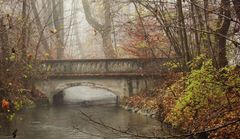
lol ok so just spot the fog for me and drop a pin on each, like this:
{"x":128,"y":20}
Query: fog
{"x":82,"y":40}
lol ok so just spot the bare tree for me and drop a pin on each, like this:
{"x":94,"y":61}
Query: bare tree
{"x":224,"y":24}
{"x":24,"y":29}
{"x":103,"y":29}
{"x":182,"y":31}
{"x":199,"y":20}
{"x":236,"y":4}
{"x":58,"y":19}
{"x":75,"y":6}
{"x":4,"y":39}
{"x":41,"y":29}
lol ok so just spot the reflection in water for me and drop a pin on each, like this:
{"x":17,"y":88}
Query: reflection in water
{"x":85,"y":95}
{"x":59,"y":122}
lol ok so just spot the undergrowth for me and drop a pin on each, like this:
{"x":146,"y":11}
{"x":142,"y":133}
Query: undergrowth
{"x":204,"y":98}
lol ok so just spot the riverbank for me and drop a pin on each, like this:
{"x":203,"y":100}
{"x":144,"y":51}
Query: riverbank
{"x":148,"y":102}
{"x":144,"y":104}
{"x":10,"y":105}
{"x":143,"y":111}
{"x":194,"y":103}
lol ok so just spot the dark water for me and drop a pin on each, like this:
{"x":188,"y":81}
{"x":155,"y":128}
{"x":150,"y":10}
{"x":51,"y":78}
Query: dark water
{"x":61,"y":123}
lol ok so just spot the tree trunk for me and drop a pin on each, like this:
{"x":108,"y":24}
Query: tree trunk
{"x":236,"y":4}
{"x":196,"y":33}
{"x":182,"y":31}
{"x":4,"y":40}
{"x":58,"y":17}
{"x":222,"y":33}
{"x":24,"y":30}
{"x":107,"y":45}
{"x":107,"y":33}
{"x":209,"y":43}
{"x":105,"y":29}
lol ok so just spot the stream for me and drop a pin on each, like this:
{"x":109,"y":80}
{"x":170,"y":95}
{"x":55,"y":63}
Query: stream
{"x":67,"y":122}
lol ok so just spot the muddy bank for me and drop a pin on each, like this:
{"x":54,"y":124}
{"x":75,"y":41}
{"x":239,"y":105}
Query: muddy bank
{"x":143,"y":111}
{"x":39,"y":98}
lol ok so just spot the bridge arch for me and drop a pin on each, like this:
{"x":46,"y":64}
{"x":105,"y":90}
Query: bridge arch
{"x":58,"y":94}
{"x":64,"y":86}
{"x":52,"y":87}
{"x":119,"y":86}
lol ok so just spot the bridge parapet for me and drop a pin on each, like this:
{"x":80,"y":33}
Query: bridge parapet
{"x":105,"y":66}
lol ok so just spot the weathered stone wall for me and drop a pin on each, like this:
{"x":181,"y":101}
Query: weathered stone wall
{"x":105,"y":66}
{"x":123,"y":77}
{"x":119,"y":86}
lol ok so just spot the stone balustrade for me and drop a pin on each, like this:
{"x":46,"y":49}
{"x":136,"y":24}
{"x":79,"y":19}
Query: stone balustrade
{"x":105,"y":66}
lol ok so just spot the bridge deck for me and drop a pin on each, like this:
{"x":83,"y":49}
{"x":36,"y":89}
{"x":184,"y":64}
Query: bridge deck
{"x":108,"y":75}
{"x":106,"y":67}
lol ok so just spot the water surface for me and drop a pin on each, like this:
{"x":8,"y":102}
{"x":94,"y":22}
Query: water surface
{"x":61,"y":123}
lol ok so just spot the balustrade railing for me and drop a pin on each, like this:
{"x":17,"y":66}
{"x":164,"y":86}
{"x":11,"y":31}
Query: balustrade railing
{"x":105,"y":66}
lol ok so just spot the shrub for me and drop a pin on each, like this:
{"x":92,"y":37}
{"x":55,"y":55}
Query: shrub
{"x":209,"y":94}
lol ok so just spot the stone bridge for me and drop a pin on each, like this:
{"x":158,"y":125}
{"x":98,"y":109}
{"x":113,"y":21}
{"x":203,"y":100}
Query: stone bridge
{"x":123,"y":77}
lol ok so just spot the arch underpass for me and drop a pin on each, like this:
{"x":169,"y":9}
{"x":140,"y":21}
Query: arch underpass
{"x":123,"y":77}
{"x":85,"y":95}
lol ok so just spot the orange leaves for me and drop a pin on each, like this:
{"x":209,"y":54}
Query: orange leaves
{"x":5,"y":104}
{"x":143,"y":101}
{"x":29,"y":57}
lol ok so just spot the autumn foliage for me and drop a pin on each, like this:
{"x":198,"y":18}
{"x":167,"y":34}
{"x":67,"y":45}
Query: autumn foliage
{"x":5,"y":104}
{"x":205,"y":98}
{"x":147,"y":41}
